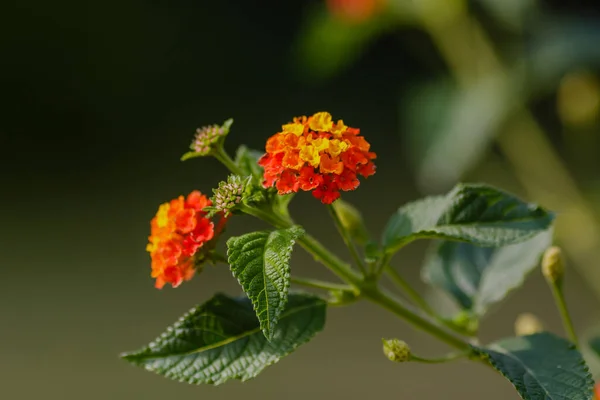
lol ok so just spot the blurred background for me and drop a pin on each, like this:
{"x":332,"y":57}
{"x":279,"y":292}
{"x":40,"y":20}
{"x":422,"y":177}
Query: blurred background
{"x":101,"y":98}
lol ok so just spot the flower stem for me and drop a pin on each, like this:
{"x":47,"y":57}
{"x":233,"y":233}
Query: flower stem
{"x":347,"y":239}
{"x":559,"y":298}
{"x":416,"y":298}
{"x":439,"y":360}
{"x":368,"y":288}
{"x":317,"y":284}
{"x":388,"y":302}
{"x":221,"y":155}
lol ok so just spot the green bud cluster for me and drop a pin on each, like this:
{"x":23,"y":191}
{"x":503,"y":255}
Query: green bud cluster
{"x":396,"y":350}
{"x":229,"y":194}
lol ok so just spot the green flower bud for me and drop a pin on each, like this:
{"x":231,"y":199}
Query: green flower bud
{"x":396,"y":350}
{"x":527,"y":324}
{"x":207,"y":139}
{"x":352,"y":221}
{"x":553,"y":267}
{"x":342,"y":297}
{"x":466,"y":321}
{"x":229,"y":194}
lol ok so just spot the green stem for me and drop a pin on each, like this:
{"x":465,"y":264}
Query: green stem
{"x":321,"y":254}
{"x":388,"y":302}
{"x":347,"y":239}
{"x":317,"y":284}
{"x":561,"y":304}
{"x":221,"y":155}
{"x":440,"y":360}
{"x":331,"y":261}
{"x":416,"y":298}
{"x":367,"y":288}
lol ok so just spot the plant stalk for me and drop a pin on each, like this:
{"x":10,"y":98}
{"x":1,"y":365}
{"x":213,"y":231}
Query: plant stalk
{"x":561,"y":304}
{"x":317,"y":284}
{"x":347,"y":239}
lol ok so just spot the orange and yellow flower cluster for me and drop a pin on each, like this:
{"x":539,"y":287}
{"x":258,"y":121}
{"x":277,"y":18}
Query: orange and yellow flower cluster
{"x":319,"y":155}
{"x":178,"y":230}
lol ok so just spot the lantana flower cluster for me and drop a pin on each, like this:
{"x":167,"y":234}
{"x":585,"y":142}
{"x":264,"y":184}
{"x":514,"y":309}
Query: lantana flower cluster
{"x":179,"y":229}
{"x":315,"y":154}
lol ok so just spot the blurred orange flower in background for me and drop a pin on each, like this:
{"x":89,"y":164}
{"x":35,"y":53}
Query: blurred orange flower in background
{"x":355,"y":11}
{"x":319,"y":155}
{"x":178,"y":230}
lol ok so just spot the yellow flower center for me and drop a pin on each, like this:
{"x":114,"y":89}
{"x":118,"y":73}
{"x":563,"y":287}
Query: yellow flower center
{"x":320,"y":143}
{"x":336,"y":147}
{"x":295,"y":128}
{"x":338,"y":128}
{"x":321,"y":122}
{"x":310,"y":154}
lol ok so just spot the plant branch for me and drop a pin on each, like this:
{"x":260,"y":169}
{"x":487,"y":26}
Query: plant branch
{"x":440,"y":360}
{"x":317,"y":284}
{"x":415,"y":297}
{"x":559,"y":298}
{"x":221,"y":155}
{"x":347,"y":239}
{"x":387,"y":301}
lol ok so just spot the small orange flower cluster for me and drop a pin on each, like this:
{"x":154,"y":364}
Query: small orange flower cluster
{"x":315,"y":154}
{"x":179,"y":229}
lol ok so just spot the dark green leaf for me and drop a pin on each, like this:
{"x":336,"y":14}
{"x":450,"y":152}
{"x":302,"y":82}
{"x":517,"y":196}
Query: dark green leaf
{"x":541,"y":367}
{"x":261,"y":263}
{"x":222,"y":340}
{"x":478,"y":277}
{"x":473,"y":213}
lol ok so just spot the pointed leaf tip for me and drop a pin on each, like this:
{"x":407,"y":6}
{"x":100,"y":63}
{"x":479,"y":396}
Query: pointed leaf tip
{"x":222,"y":340}
{"x":473,"y":213}
{"x":260,"y":261}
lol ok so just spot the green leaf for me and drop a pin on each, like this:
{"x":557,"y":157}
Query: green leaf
{"x":222,"y":340}
{"x":478,"y":277}
{"x":352,"y":221}
{"x":541,"y":367}
{"x":247,"y":160}
{"x":261,"y":263}
{"x":327,"y":44}
{"x":473,"y":213}
{"x":452,"y":128}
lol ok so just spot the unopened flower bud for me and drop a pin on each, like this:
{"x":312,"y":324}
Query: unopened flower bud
{"x":527,"y":324}
{"x":229,"y":194}
{"x":553,"y":267}
{"x":352,"y":221}
{"x":206,"y":139}
{"x":396,"y":350}
{"x":342,"y":297}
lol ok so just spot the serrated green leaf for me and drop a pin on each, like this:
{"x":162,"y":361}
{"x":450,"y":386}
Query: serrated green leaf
{"x":478,"y":277}
{"x":541,"y":367}
{"x":222,"y":340}
{"x":473,"y":213}
{"x":260,"y":261}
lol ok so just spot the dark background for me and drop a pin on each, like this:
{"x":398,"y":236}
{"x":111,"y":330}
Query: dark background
{"x":100,"y":99}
